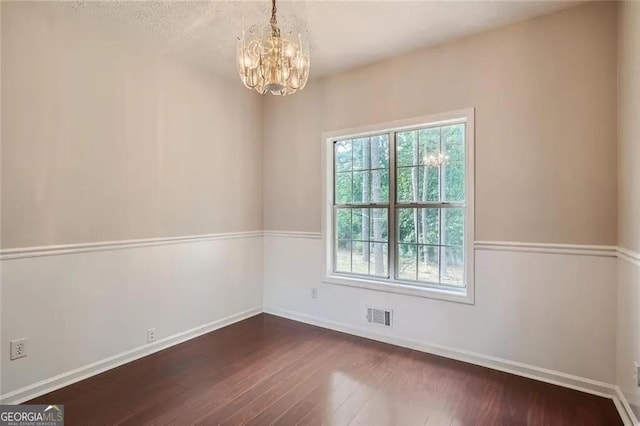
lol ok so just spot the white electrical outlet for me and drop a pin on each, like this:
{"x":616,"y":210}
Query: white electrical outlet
{"x":314,"y":293}
{"x":18,"y":348}
{"x":151,"y":335}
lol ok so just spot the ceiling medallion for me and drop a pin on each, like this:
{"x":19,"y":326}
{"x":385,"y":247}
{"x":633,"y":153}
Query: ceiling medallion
{"x":273,"y":60}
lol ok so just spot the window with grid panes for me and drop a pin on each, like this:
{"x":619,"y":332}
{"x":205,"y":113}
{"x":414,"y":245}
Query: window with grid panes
{"x":400,"y":205}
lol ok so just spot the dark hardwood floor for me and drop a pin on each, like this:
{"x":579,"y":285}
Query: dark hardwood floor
{"x":268,"y":370}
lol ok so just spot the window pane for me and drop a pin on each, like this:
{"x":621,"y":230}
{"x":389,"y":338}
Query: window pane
{"x":407,"y":222}
{"x":380,"y":152}
{"x":407,"y":149}
{"x":454,"y":181}
{"x":361,"y":154}
{"x":360,"y":224}
{"x":430,"y":168}
{"x":380,"y":186}
{"x":343,"y":256}
{"x":429,"y":226}
{"x":452,"y":264}
{"x":362,"y":186}
{"x":453,"y":227}
{"x":379,"y":260}
{"x":343,"y":188}
{"x":379,"y":225}
{"x":429,"y":264}
{"x":343,"y":224}
{"x":407,"y":184}
{"x":429,"y":145}
{"x":453,"y":142}
{"x":407,"y":268}
{"x":360,"y":258}
{"x":428,"y":186}
{"x":343,"y":155}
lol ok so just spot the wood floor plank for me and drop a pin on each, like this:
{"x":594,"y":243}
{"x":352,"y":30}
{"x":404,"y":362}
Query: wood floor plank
{"x":366,"y":390}
{"x":323,"y":379}
{"x":280,"y":384}
{"x":337,"y":386}
{"x":220,"y":389}
{"x":268,"y":370}
{"x":293,"y":365}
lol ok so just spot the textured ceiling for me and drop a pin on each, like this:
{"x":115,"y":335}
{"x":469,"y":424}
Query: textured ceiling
{"x":342,"y":34}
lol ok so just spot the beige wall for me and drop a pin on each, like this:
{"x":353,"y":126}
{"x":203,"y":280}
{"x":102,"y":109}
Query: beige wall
{"x":629,"y":127}
{"x":153,"y":154}
{"x":545,"y":98}
{"x":104,"y":139}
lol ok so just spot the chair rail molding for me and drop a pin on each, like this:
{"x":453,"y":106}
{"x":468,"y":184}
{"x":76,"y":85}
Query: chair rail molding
{"x":53,"y":250}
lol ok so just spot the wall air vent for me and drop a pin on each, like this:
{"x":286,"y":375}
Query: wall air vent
{"x":379,"y":316}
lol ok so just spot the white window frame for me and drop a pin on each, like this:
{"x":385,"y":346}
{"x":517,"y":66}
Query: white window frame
{"x":392,"y":285}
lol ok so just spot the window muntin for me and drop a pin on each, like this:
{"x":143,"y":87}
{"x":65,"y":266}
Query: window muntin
{"x":422,"y":198}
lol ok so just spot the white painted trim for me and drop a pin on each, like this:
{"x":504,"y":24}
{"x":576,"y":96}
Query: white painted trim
{"x":582,"y":384}
{"x":550,"y":248}
{"x":400,"y":287}
{"x":399,"y":125}
{"x":54,"y":250}
{"x":327,"y":140}
{"x":624,"y":408}
{"x":65,"y":379}
{"x":293,"y":234}
{"x":574,"y":249}
{"x":629,"y":256}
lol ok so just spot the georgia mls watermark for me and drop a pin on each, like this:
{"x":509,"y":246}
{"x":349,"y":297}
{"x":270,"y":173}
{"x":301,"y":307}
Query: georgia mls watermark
{"x":31,"y":415}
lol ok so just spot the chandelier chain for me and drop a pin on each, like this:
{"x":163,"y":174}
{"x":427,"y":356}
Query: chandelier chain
{"x":274,"y":9}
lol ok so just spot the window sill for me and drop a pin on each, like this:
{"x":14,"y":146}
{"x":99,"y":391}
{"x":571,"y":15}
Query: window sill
{"x":464,"y":295}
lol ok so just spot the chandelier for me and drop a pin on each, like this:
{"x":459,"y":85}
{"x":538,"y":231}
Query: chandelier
{"x":436,"y":160}
{"x":273,"y":60}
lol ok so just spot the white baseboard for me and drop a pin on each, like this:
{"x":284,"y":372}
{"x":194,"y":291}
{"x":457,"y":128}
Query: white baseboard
{"x":65,"y":379}
{"x":541,"y":374}
{"x":621,"y":400}
{"x":520,"y":369}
